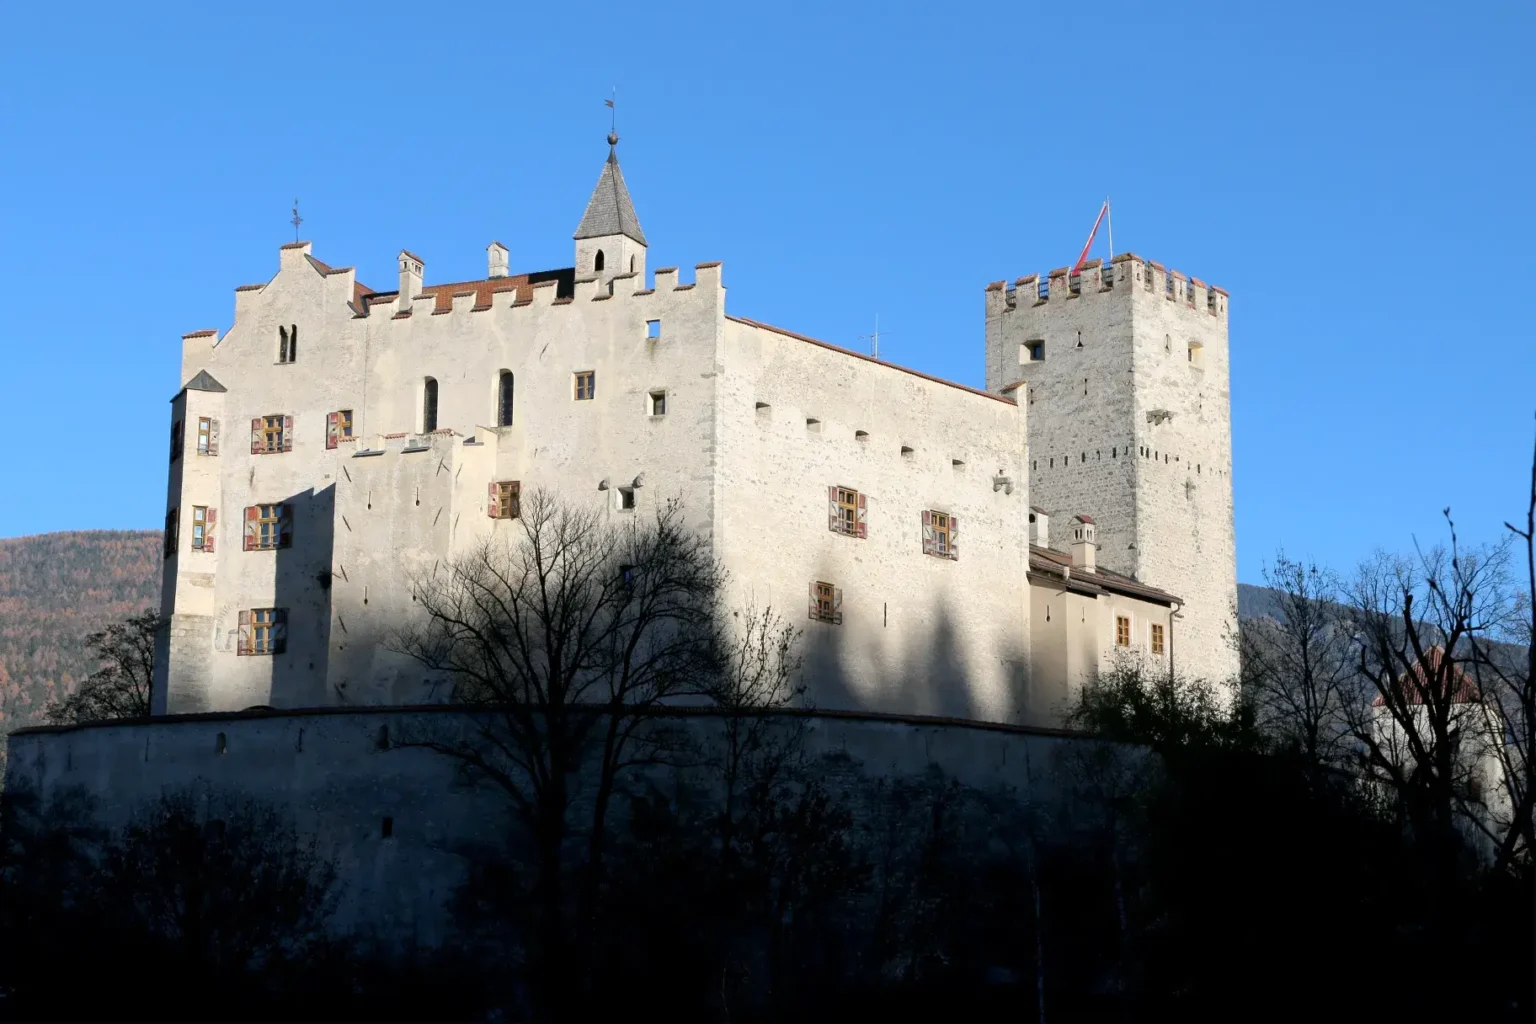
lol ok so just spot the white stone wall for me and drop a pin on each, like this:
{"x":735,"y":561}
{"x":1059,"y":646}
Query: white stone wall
{"x":919,"y":633}
{"x":1126,"y":428}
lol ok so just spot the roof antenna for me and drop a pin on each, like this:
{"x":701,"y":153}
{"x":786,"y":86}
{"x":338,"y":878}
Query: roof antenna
{"x":874,"y":339}
{"x":297,"y":220}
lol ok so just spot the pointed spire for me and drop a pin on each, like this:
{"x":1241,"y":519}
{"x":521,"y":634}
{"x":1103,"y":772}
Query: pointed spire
{"x":610,"y":211}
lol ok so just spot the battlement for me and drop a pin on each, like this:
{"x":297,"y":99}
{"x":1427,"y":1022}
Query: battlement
{"x":1127,"y":276}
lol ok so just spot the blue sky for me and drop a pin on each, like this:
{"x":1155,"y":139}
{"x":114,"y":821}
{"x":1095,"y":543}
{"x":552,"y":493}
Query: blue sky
{"x":1356,"y":175}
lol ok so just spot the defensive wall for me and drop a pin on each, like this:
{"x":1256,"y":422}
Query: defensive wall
{"x":398,"y":820}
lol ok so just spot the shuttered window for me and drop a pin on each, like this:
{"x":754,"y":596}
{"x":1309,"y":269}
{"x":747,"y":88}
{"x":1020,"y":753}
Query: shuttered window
{"x":172,"y":521}
{"x":847,"y":512}
{"x":262,"y":631}
{"x":504,"y":500}
{"x":338,"y":427}
{"x":826,"y":603}
{"x":941,"y":533}
{"x":207,"y":435}
{"x":268,"y":527}
{"x":204,"y":519}
{"x":176,"y":440}
{"x":271,"y":434}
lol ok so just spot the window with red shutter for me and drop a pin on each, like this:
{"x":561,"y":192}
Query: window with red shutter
{"x":243,"y":634}
{"x":252,"y":526}
{"x":208,"y":538}
{"x":331,"y":426}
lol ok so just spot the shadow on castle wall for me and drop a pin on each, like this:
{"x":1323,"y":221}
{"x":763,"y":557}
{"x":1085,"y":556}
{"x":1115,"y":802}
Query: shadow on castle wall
{"x":302,"y":588}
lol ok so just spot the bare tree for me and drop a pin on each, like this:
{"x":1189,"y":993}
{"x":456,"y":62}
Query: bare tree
{"x":1506,"y":677}
{"x":120,"y":688}
{"x":1298,"y":667}
{"x":1416,"y":624}
{"x":564,"y":637}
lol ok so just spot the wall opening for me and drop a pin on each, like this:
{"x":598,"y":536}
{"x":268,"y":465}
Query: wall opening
{"x":504,"y":396}
{"x":429,"y":405}
{"x":597,"y":261}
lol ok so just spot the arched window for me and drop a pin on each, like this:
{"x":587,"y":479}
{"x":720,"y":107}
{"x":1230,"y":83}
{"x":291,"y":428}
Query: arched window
{"x":631,"y":264}
{"x":597,"y":261}
{"x":288,"y":343}
{"x":429,"y":405}
{"x":504,"y":399}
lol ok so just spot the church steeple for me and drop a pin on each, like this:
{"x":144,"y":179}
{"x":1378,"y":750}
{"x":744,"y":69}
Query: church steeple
{"x":609,"y":241}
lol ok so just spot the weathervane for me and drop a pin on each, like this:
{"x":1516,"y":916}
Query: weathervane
{"x":297,"y":220}
{"x":613,"y":117}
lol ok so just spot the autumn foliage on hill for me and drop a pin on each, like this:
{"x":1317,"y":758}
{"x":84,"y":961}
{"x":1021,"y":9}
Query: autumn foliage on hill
{"x":55,"y":588}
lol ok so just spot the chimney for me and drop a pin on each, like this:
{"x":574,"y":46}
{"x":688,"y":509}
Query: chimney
{"x":1083,"y":544}
{"x":496,"y":255}
{"x":1039,"y":527}
{"x":410,"y":278}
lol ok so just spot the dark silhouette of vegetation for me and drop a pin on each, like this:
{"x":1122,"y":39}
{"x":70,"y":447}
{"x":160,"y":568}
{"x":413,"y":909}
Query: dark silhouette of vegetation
{"x":120,"y":688}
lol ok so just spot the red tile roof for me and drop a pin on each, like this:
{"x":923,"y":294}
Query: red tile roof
{"x":1427,"y":676}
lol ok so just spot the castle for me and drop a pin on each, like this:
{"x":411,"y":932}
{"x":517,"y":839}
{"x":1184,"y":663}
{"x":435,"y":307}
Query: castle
{"x":947,"y":551}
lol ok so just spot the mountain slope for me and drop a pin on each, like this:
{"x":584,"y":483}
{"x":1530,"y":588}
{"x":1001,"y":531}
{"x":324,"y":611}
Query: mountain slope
{"x":54,"y":589}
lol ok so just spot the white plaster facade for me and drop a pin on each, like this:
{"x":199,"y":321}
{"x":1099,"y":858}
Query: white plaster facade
{"x":759,"y":423}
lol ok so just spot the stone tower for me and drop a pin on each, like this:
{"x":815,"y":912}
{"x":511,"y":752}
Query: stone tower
{"x":609,"y":241}
{"x":1122,"y":370}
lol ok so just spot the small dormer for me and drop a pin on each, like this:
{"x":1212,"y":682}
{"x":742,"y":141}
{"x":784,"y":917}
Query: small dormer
{"x":1084,"y":543}
{"x":496,"y":258}
{"x":609,"y":241}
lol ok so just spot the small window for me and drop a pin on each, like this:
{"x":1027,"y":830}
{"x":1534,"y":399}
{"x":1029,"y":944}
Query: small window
{"x":176,"y":442}
{"x":653,"y":328}
{"x":271,"y":434}
{"x":1197,"y":355}
{"x":940,"y":532}
{"x":288,"y":343}
{"x":1157,"y":638}
{"x":506,"y":499}
{"x":338,"y":427}
{"x":263,"y":631}
{"x":597,"y":261}
{"x":1122,"y":631}
{"x":627,"y":576}
{"x":658,"y":403}
{"x":429,"y":405}
{"x":172,"y":521}
{"x":861,"y":435}
{"x":906,"y":452}
{"x":504,"y":385}
{"x":826,"y":603}
{"x":813,"y":425}
{"x":387,"y":828}
{"x":203,"y":521}
{"x":207,"y":435}
{"x":1036,"y":351}
{"x":586,"y":385}
{"x":626,"y":499}
{"x":268,"y":527}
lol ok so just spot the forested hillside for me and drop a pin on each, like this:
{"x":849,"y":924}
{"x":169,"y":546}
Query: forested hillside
{"x":54,"y":589}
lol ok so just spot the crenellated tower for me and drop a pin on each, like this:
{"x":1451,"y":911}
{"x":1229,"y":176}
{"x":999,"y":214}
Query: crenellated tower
{"x":1122,"y":370}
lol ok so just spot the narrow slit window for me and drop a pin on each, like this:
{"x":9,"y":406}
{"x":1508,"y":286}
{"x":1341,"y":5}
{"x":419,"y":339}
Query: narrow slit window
{"x":429,"y":405}
{"x":504,"y":389}
{"x":597,"y":261}
{"x":626,"y":499}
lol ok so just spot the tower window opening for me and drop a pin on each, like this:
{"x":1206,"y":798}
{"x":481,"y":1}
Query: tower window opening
{"x":1036,"y":351}
{"x":504,"y":388}
{"x":429,"y":405}
{"x":597,"y":261}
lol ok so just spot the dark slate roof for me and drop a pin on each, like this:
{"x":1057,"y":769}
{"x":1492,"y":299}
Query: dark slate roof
{"x":610,"y":211}
{"x":204,"y":382}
